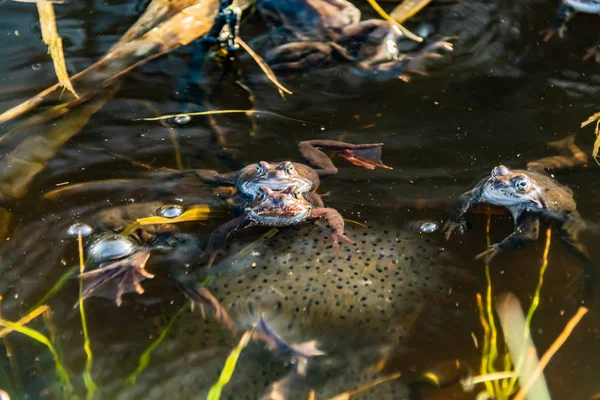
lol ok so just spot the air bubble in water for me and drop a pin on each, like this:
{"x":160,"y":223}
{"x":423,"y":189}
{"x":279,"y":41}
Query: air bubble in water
{"x":171,"y":211}
{"x":78,"y":227}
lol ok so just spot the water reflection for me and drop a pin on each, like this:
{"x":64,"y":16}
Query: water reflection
{"x":401,"y":301}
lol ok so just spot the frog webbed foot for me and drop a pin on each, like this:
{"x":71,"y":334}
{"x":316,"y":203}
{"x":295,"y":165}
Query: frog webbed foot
{"x":491,"y":252}
{"x":450,"y":227}
{"x":593,"y":53}
{"x":299,"y":56}
{"x":128,"y":272}
{"x":417,"y":61}
{"x":549,"y":33}
{"x":366,"y":157}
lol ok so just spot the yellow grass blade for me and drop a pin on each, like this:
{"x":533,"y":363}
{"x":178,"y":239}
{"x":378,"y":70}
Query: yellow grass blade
{"x":385,"y":15}
{"x":213,"y":112}
{"x":197,"y":213}
{"x":407,"y":9}
{"x":263,"y":65}
{"x":35,"y":335}
{"x":54,"y":43}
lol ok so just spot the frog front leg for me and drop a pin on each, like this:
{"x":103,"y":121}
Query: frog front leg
{"x":298,"y":56}
{"x":218,"y":238}
{"x":363,"y":155}
{"x":559,"y":23}
{"x":314,"y":199}
{"x":335,"y":221}
{"x":527,"y":229}
{"x":457,"y":220}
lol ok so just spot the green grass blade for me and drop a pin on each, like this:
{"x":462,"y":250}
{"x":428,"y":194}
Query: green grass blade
{"x":145,"y":357}
{"x":230,"y":363}
{"x":57,"y":286}
{"x":88,"y":381}
{"x":61,"y":372}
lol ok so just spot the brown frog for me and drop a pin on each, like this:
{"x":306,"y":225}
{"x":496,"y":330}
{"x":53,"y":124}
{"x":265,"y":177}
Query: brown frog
{"x":530,"y":195}
{"x":112,"y":257}
{"x":278,"y":208}
{"x":278,"y":176}
{"x":565,"y":13}
{"x":308,"y":34}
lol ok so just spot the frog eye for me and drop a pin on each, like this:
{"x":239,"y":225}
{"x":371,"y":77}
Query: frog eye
{"x":260,"y":169}
{"x":522,"y":184}
{"x":297,"y":193}
{"x":260,"y":194}
{"x":289,"y":168}
{"x":500,"y":170}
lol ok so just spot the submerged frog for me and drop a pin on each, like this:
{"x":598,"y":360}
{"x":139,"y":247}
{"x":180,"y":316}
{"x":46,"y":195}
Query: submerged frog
{"x":278,"y":208}
{"x":279,"y":176}
{"x":319,"y":33}
{"x":530,"y":195}
{"x":567,"y":10}
{"x":113,"y":257}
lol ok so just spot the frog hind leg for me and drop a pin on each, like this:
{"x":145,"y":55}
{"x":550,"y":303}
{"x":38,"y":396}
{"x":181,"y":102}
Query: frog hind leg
{"x":527,"y":230}
{"x":314,"y":199}
{"x":569,"y":236}
{"x":201,"y":297}
{"x":573,"y":156}
{"x":362,"y":155}
{"x":559,"y":23}
{"x":299,"y":56}
{"x":593,"y":53}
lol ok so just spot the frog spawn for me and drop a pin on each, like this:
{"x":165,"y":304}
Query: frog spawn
{"x":306,"y":291}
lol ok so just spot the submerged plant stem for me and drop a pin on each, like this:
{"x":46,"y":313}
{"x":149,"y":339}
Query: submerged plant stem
{"x":562,"y":338}
{"x":229,"y":367}
{"x":145,"y":357}
{"x":89,"y":383}
{"x":61,"y":372}
{"x":385,"y":15}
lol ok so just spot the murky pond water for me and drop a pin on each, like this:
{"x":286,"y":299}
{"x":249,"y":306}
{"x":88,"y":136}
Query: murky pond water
{"x":401,"y":300}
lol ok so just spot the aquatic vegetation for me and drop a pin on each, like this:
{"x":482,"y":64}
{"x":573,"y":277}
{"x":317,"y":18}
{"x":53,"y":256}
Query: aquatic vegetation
{"x":20,"y":327}
{"x":54,"y":42}
{"x":229,"y":367}
{"x":595,"y":118}
{"x":146,"y":355}
{"x":90,"y":385}
{"x":407,"y":9}
{"x":385,"y":15}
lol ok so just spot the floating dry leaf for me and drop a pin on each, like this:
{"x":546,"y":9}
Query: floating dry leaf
{"x":54,"y":43}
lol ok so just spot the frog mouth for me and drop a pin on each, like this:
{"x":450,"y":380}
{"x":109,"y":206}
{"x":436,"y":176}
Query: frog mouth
{"x":279,"y":216}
